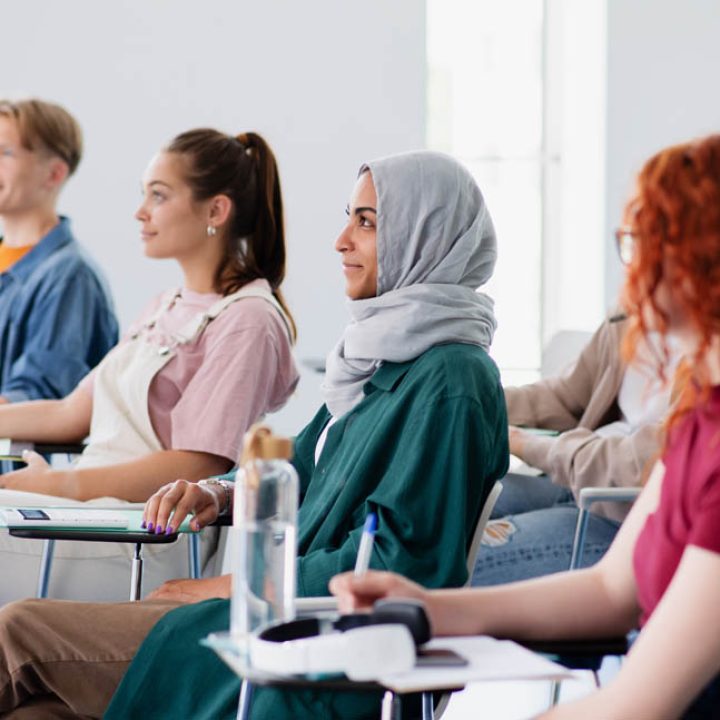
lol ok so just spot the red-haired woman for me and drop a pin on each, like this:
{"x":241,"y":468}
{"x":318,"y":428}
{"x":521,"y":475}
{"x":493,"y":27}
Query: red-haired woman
{"x":663,"y":570}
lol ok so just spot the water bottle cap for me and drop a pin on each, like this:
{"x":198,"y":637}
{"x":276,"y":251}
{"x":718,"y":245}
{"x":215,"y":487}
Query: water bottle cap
{"x":273,"y":447}
{"x":261,"y":444}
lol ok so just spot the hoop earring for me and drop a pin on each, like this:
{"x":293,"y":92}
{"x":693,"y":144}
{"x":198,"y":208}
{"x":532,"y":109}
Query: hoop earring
{"x":211,"y":231}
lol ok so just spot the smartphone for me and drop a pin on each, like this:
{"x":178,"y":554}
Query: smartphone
{"x":64,"y":517}
{"x":439,"y":657}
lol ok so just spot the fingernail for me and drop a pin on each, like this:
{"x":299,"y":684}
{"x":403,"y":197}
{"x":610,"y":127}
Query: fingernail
{"x":150,"y":527}
{"x":195,"y":525}
{"x":143,"y":524}
{"x":158,"y":530}
{"x":169,"y":530}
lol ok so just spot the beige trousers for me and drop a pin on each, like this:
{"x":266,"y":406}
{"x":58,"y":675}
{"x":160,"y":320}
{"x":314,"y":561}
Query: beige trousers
{"x":63,"y":659}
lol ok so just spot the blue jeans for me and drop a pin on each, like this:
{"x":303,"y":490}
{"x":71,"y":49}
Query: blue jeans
{"x":531,"y":533}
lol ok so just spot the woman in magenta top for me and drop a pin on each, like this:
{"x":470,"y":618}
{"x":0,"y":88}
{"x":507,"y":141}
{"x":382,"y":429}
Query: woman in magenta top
{"x":663,"y":570}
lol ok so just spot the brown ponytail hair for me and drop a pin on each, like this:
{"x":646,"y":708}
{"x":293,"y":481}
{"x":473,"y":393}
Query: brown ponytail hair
{"x":244,"y":169}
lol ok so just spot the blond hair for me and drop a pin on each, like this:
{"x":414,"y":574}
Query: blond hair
{"x":46,"y":126}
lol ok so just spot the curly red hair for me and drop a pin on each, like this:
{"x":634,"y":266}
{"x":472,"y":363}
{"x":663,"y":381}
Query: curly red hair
{"x":675,"y":221}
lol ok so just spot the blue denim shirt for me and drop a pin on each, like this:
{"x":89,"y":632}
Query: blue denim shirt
{"x":56,"y":319}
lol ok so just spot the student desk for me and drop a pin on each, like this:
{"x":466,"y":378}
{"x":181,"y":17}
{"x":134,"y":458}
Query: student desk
{"x":488,"y":659}
{"x":132,"y":534}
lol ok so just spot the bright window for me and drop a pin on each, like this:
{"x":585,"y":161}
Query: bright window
{"x":503,"y":78}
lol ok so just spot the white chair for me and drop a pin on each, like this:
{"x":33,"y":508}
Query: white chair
{"x":588,"y":496}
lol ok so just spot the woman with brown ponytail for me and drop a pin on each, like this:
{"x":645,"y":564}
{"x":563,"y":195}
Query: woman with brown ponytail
{"x":203,"y":362}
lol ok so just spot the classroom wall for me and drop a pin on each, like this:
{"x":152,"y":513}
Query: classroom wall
{"x":663,"y":58}
{"x":328,"y":83}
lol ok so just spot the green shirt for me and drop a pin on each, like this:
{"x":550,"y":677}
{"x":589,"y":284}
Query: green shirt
{"x":422,"y":450}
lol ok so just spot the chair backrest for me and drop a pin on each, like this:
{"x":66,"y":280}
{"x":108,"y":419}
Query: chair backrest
{"x":485,"y":513}
{"x":443,"y":699}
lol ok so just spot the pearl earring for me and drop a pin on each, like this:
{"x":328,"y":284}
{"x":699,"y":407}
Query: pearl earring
{"x":211,"y":230}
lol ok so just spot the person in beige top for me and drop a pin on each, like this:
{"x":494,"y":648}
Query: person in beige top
{"x":608,"y":417}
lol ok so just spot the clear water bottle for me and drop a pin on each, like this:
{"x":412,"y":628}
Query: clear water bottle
{"x":264,"y":535}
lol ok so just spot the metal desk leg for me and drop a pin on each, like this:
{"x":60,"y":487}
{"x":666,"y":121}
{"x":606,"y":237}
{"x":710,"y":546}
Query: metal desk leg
{"x":555,"y":687}
{"x":387,"y":706}
{"x":427,"y":706}
{"x":245,"y":701}
{"x":194,"y":555}
{"x":579,"y":540}
{"x":137,"y":572}
{"x":391,"y":709}
{"x":45,"y":567}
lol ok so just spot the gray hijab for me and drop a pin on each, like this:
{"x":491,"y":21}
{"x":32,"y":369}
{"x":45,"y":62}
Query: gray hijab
{"x":435,"y":247}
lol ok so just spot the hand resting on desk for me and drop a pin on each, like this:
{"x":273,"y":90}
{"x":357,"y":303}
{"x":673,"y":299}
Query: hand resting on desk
{"x":172,"y":503}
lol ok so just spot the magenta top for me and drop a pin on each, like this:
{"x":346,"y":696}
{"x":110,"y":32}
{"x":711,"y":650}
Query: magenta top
{"x":689,"y":509}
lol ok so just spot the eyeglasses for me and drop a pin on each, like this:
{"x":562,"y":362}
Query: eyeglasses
{"x":625,"y":242}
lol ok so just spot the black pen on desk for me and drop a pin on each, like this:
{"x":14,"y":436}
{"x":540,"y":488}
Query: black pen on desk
{"x":366,"y":544}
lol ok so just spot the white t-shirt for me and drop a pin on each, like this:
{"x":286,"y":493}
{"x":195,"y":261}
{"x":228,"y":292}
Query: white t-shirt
{"x":643,"y":398}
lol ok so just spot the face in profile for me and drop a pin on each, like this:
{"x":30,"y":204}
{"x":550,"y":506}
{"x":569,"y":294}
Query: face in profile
{"x":27,"y":178}
{"x":357,"y":241}
{"x":173,"y":224}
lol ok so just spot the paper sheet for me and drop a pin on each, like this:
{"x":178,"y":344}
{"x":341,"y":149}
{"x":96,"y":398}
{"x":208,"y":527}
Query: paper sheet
{"x":488,"y":659}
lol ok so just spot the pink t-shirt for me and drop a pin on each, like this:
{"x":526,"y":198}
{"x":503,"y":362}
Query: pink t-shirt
{"x":215,"y":387}
{"x":689,"y":508}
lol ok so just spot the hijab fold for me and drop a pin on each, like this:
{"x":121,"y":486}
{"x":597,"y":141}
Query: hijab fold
{"x":435,"y":246}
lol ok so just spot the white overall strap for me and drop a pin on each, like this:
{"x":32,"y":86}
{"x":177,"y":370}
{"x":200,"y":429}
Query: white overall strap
{"x":198,"y":324}
{"x":170,"y":298}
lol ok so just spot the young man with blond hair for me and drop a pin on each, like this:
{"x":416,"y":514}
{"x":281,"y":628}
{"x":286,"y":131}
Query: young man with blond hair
{"x":56,"y":316}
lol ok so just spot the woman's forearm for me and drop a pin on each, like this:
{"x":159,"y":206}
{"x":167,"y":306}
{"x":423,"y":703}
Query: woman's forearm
{"x":137,"y":479}
{"x":66,"y":420}
{"x":600,"y":601}
{"x":566,"y":605}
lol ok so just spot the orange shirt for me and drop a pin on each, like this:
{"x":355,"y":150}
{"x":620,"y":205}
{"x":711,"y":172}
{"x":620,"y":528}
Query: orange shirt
{"x":10,"y":255}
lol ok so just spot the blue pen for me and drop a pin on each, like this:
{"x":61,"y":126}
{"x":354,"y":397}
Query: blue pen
{"x":366,"y":544}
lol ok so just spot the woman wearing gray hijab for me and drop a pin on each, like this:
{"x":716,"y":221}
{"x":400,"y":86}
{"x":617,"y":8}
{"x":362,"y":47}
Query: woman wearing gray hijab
{"x":413,"y":429}
{"x":434,"y":245}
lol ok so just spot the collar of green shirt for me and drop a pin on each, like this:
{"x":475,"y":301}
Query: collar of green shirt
{"x":388,"y":376}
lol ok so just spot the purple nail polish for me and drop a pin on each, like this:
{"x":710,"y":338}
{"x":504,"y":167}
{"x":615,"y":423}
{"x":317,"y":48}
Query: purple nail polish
{"x":143,"y":524}
{"x":150,"y":527}
{"x":169,"y":530}
{"x":158,"y":530}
